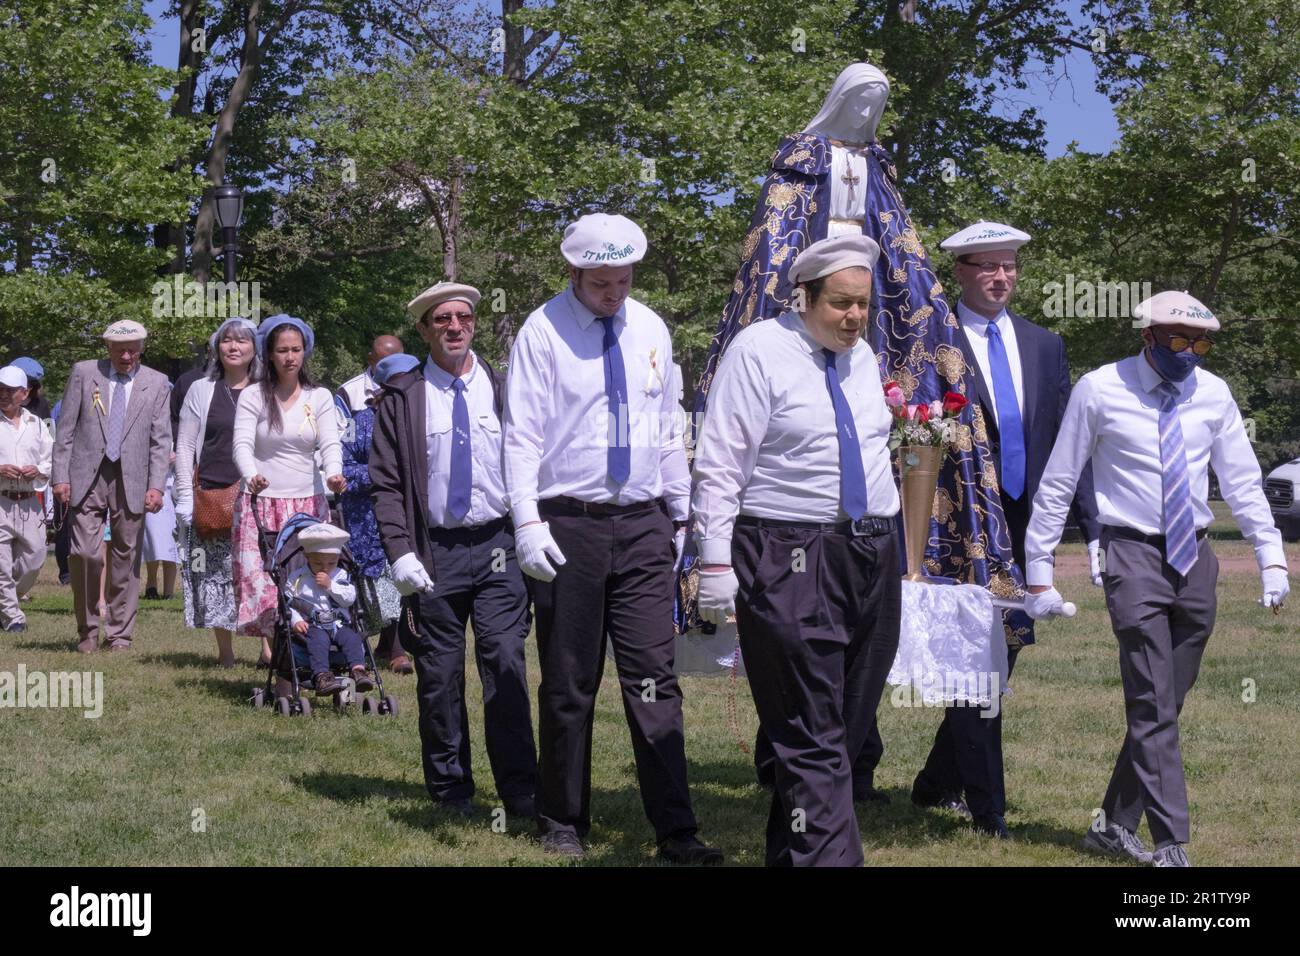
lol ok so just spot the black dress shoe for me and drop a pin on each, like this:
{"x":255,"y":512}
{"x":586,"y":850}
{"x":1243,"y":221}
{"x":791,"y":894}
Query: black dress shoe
{"x":690,"y":851}
{"x":461,"y":806}
{"x":151,"y":594}
{"x":16,"y":628}
{"x":993,"y":825}
{"x":65,"y":579}
{"x":870,"y":795}
{"x":562,"y":843}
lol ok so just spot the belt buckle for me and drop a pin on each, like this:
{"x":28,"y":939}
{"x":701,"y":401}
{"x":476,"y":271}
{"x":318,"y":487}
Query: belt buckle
{"x":861,"y":528}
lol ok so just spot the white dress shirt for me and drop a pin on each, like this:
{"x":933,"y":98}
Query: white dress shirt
{"x":359,"y":389}
{"x":977,"y":334}
{"x":287,"y":458}
{"x":1114,"y":418}
{"x":487,"y":499}
{"x":24,"y":442}
{"x":302,"y":587}
{"x":557,"y":413}
{"x":769,"y":445}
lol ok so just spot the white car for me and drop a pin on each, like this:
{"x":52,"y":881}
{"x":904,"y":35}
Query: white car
{"x":1282,"y":488}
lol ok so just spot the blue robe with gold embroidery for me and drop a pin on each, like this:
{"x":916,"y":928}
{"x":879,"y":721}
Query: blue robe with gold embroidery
{"x":913,"y":333}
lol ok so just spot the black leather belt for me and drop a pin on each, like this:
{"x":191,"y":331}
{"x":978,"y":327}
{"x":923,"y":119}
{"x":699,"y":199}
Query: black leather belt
{"x":1132,"y":534}
{"x":568,"y":505}
{"x":870,"y":526}
{"x":18,"y":495}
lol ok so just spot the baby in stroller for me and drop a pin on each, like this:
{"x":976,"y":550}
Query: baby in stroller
{"x":318,"y":596}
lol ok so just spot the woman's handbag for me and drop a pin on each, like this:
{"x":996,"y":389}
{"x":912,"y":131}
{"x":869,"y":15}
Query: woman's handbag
{"x":214,"y":509}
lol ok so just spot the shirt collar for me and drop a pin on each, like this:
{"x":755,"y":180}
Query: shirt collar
{"x":584,"y":315}
{"x":976,"y":322}
{"x":1151,"y":380}
{"x":438,"y":377}
{"x":794,"y":321}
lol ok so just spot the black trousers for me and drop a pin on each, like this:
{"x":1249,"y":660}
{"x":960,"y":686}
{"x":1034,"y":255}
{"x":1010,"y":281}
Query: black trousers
{"x":864,"y":763}
{"x":476,"y":581}
{"x":617,"y":580}
{"x":818,"y":616}
{"x":967,"y":758}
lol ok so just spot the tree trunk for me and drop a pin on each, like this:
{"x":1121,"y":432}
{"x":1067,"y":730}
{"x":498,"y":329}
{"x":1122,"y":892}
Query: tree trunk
{"x":513,"y":61}
{"x":216,"y":166}
{"x":1226,"y":238}
{"x":171,"y":235}
{"x":451,"y":230}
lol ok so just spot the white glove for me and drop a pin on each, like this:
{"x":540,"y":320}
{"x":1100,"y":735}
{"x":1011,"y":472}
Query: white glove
{"x":1094,"y":562}
{"x":185,"y":513}
{"x":536,"y":549}
{"x":1276,"y":587}
{"x":1039,"y":606}
{"x":679,"y":549}
{"x":409,"y":575}
{"x":717,"y":595}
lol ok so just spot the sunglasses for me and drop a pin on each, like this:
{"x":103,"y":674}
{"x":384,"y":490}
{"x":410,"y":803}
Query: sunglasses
{"x":1181,"y":343}
{"x":444,"y":320}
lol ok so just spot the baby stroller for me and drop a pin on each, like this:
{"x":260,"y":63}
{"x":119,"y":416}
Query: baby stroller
{"x":282,"y":555}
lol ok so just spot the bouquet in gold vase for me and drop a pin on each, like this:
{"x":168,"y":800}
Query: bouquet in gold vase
{"x":921,"y":435}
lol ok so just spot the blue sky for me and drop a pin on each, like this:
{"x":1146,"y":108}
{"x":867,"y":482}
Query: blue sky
{"x":1068,"y":102}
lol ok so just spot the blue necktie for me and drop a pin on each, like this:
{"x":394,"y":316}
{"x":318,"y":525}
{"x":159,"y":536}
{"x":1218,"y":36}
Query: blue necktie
{"x":461,"y":454}
{"x":620,"y":452}
{"x":853,"y":479}
{"x":1180,"y":530}
{"x":116,"y":419}
{"x":1010,"y":427}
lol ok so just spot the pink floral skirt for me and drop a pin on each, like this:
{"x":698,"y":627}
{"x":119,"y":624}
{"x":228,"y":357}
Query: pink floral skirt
{"x":255,"y":598}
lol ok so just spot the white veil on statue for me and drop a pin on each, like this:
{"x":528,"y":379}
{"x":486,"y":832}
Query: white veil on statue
{"x":853,"y":107}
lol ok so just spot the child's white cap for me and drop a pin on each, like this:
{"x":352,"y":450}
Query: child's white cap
{"x":323,"y":539}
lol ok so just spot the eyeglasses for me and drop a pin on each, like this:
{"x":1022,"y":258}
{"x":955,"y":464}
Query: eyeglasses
{"x":444,"y":320}
{"x":986,"y":268}
{"x":1181,"y":343}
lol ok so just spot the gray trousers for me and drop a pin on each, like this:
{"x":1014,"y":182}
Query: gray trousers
{"x":1162,"y":621}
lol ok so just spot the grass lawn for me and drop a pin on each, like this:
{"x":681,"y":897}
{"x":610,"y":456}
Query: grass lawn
{"x":177,"y":736}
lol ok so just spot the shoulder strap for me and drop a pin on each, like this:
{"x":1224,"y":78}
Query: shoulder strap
{"x":497,"y":400}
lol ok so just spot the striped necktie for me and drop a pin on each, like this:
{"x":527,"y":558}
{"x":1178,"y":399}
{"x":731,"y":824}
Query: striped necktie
{"x":1180,"y":531}
{"x":116,"y":419}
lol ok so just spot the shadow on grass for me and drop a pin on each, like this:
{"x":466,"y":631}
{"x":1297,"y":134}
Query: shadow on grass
{"x":235,"y":690}
{"x":181,"y":659}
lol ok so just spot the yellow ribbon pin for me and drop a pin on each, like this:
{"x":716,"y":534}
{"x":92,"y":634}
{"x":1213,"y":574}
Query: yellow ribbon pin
{"x":98,"y":402}
{"x":309,"y":418}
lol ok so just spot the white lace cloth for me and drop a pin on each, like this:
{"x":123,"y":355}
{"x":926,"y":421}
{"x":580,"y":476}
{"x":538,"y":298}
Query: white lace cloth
{"x":951,"y":646}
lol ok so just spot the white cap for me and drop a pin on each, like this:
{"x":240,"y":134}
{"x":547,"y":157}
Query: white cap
{"x":599,"y":239}
{"x":322,"y":539}
{"x":1174,"y":308}
{"x":13,"y":376}
{"x":439,"y":293}
{"x":127,"y":330}
{"x":831,"y":255}
{"x":984,"y":237}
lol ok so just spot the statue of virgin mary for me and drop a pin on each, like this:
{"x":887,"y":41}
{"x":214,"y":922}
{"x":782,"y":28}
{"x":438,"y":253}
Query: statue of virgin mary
{"x":832,"y":178}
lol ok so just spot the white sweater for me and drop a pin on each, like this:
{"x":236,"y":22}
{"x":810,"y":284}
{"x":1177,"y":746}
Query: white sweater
{"x":287,"y":458}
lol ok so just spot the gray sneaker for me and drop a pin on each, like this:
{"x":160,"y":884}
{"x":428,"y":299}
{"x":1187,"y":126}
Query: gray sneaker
{"x":1116,"y":841}
{"x":1171,"y":855}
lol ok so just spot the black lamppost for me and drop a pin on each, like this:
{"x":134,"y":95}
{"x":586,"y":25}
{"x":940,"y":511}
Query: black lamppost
{"x":229,"y":203}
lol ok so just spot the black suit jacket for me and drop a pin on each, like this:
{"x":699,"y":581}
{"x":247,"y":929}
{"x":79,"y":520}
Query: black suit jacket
{"x":1046,"y":375}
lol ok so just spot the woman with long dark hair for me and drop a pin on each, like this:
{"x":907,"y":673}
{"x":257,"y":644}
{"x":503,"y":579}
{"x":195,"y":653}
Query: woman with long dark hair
{"x":282,"y":428}
{"x":205,"y":454}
